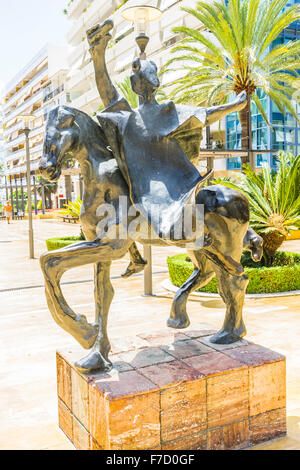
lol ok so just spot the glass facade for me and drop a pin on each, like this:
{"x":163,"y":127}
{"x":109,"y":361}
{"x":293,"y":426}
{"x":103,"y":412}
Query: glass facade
{"x":286,"y":130}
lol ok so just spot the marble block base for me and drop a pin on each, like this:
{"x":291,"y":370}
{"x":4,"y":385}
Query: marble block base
{"x":174,"y":391}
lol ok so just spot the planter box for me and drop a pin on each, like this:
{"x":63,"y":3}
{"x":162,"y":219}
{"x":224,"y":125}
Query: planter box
{"x":174,"y":392}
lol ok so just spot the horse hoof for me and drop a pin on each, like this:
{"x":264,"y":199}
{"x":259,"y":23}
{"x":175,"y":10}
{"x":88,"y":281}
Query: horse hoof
{"x":92,"y":363}
{"x":133,"y":269}
{"x":178,"y":323}
{"x":224,"y":337}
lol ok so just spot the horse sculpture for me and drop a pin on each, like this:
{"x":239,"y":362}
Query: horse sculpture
{"x":72,"y":133}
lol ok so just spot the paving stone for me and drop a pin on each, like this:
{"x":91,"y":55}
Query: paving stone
{"x":267,"y":426}
{"x":198,"y":442}
{"x":183,"y":410}
{"x":183,"y":349}
{"x":232,"y":437}
{"x":65,"y":420}
{"x":134,"y":422}
{"x":64,"y":381}
{"x":213,"y":363}
{"x":80,"y":398}
{"x":227,"y":398}
{"x":123,"y":384}
{"x":267,"y":385}
{"x":222,"y":347}
{"x":254,"y":355}
{"x":81,"y":437}
{"x":145,"y":357}
{"x":170,"y":373}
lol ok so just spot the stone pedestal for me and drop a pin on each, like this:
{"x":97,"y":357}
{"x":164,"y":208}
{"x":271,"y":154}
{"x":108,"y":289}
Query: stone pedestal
{"x":174,"y":391}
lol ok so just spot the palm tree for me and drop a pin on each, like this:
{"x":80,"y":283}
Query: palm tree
{"x":128,"y":93}
{"x":49,"y":189}
{"x":232,"y":51}
{"x":274,"y":200}
{"x":73,"y":209}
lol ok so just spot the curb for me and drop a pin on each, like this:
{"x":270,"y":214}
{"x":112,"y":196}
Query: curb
{"x":167,"y":285}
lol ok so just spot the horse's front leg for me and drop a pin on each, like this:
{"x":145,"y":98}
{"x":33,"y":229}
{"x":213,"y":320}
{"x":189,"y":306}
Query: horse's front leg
{"x":55,"y":263}
{"x":77,"y":325}
{"x":104,"y":293}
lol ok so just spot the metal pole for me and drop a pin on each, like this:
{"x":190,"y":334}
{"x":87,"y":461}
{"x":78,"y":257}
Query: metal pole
{"x":30,"y":232}
{"x":209,"y":160}
{"x":148,"y":288}
{"x":6,"y":189}
{"x":81,"y":187}
{"x":68,"y":186}
{"x":22,"y":196}
{"x":11,"y":197}
{"x":17,"y":195}
{"x":43,"y":197}
{"x":35,"y":198}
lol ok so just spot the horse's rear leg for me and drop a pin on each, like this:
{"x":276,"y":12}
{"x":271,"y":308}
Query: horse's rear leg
{"x":104,"y":293}
{"x":202,"y":274}
{"x":137,"y":262}
{"x":232,"y":289}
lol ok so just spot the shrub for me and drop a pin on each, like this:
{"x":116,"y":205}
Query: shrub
{"x":56,"y":243}
{"x":282,"y":276}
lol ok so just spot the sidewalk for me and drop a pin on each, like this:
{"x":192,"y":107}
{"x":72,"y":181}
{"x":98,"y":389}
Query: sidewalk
{"x":29,"y":336}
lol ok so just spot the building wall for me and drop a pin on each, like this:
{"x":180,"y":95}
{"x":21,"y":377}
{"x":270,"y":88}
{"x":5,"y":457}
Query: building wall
{"x":36,"y":89}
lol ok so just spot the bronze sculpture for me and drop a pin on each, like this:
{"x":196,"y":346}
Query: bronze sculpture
{"x":144,"y":156}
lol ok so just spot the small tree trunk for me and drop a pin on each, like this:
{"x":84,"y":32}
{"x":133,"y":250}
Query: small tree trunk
{"x":272,"y":241}
{"x":245,"y":121}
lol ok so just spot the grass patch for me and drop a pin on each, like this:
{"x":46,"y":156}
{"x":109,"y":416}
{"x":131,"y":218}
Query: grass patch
{"x":282,"y":276}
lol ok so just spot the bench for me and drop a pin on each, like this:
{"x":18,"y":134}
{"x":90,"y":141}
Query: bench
{"x":19,"y":217}
{"x":69,"y":218}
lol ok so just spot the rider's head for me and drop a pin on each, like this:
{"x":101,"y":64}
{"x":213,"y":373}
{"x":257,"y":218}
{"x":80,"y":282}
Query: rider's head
{"x":144,"y":79}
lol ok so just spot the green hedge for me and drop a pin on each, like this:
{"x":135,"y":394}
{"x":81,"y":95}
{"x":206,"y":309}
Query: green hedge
{"x":56,"y":243}
{"x":282,"y":276}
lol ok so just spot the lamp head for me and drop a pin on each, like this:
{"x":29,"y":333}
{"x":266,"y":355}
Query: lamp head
{"x":26,"y":119}
{"x":141,"y":16}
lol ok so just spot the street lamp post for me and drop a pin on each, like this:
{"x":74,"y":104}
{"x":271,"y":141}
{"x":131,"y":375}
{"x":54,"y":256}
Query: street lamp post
{"x":26,"y":119}
{"x":141,"y":15}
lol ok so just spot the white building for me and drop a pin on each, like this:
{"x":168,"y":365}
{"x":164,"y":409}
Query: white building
{"x":37,"y":88}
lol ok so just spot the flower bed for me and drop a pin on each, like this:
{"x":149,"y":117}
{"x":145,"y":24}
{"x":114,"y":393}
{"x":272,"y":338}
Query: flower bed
{"x":282,"y":276}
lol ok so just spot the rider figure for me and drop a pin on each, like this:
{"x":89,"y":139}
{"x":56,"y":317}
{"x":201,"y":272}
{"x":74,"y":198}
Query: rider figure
{"x":156,"y":145}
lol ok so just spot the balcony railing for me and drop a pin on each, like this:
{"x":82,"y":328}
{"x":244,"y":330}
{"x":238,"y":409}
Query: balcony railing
{"x":36,"y":97}
{"x":23,"y":90}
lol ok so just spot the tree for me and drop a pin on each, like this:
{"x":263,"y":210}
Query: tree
{"x":232,"y":51}
{"x":274,"y":200}
{"x":50,"y":188}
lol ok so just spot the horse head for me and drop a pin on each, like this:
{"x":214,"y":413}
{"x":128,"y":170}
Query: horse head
{"x":61,"y":138}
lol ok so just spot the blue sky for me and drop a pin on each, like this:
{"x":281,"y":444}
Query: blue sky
{"x":25,"y":26}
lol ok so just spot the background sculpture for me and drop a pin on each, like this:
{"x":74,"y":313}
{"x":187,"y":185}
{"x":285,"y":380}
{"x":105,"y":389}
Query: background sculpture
{"x":160,"y":141}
